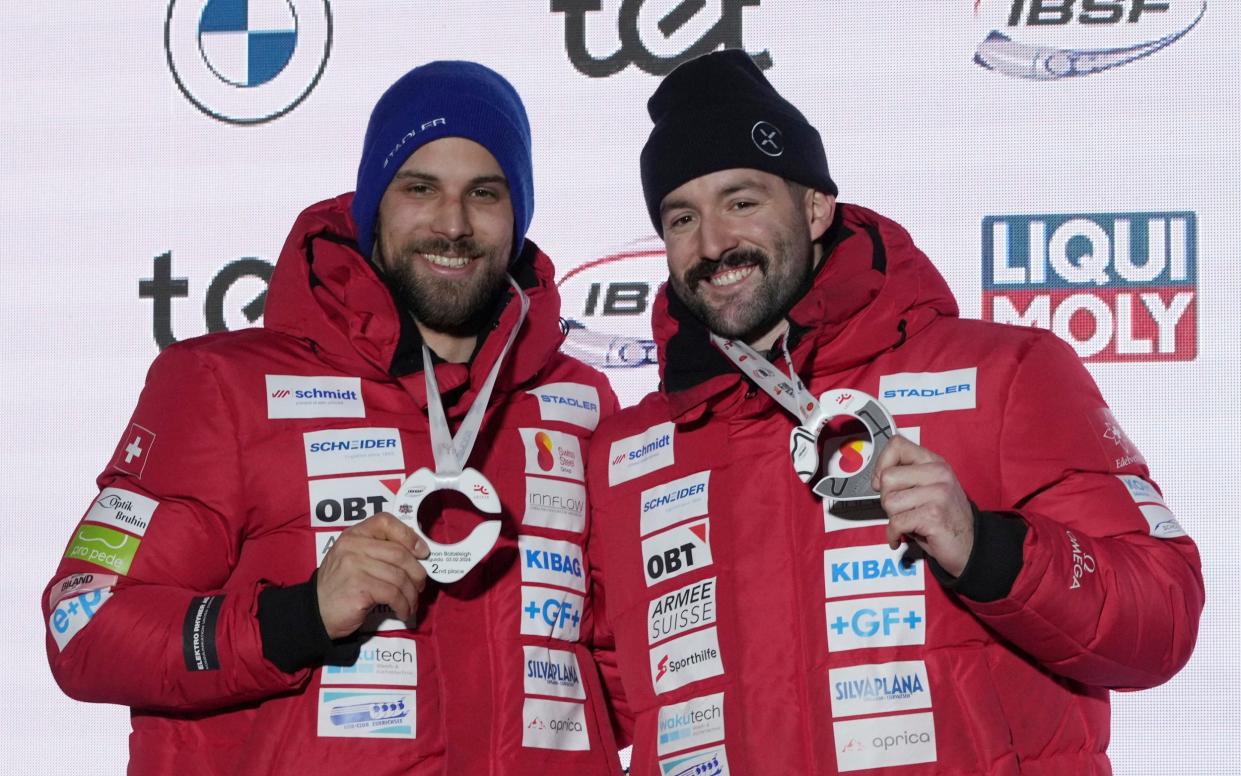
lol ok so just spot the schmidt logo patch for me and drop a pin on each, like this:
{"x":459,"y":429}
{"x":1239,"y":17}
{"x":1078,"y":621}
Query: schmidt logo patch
{"x":247,"y":61}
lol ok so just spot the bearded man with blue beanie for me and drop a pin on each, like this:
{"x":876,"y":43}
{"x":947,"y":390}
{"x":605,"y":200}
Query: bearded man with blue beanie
{"x":283,"y":614}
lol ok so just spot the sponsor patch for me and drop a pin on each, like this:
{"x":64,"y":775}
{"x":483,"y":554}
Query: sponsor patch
{"x":689,"y":725}
{"x":1163,"y":524}
{"x":1083,"y":562}
{"x":367,"y":714}
{"x":122,"y":509}
{"x":72,"y":614}
{"x":1116,"y":443}
{"x":552,"y":672}
{"x":673,"y":502}
{"x":870,"y":570}
{"x":77,"y":584}
{"x":911,"y":393}
{"x":350,"y":450}
{"x":553,"y":454}
{"x":341,"y":501}
{"x":103,"y":547}
{"x":292,"y":396}
{"x":674,"y":552}
{"x":382,"y":660}
{"x":555,"y":504}
{"x":685,"y":660}
{"x":550,"y":562}
{"x":550,"y":613}
{"x":882,"y":742}
{"x":709,"y":762}
{"x":879,"y":689}
{"x":681,"y":610}
{"x":134,"y":451}
{"x":554,"y":725}
{"x":574,"y":403}
{"x":198,"y":634}
{"x":324,"y":540}
{"x":634,"y":456}
{"x":891,"y":621}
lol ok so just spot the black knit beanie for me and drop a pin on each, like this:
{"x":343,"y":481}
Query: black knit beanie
{"x":718,"y":112}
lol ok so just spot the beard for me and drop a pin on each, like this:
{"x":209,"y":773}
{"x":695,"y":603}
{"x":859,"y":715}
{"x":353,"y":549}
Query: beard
{"x":456,"y":307}
{"x":784,"y":279}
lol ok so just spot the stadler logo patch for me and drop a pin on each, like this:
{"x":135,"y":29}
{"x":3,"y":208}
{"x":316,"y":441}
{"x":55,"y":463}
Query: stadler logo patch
{"x":247,"y":61}
{"x":574,"y":403}
{"x":1115,"y":286}
{"x":1049,"y":40}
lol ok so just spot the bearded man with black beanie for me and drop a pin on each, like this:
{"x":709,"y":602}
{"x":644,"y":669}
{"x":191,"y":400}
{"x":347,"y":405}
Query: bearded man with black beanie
{"x":850,"y":530}
{"x":250,"y":581}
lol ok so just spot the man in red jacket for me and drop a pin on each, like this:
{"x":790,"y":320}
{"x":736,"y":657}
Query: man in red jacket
{"x":404,"y":324}
{"x":978,"y":558}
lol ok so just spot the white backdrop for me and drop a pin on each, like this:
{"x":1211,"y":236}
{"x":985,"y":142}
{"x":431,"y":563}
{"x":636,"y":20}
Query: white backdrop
{"x":132,"y":133}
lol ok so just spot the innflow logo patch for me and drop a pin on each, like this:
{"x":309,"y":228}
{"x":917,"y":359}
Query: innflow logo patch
{"x":1115,"y":286}
{"x":686,"y":660}
{"x":870,"y":570}
{"x":72,"y":614}
{"x":891,"y":621}
{"x":689,"y":725}
{"x":676,"y":551}
{"x":550,"y":724}
{"x":381,"y":660}
{"x":350,"y":450}
{"x":291,"y":396}
{"x":574,"y":403}
{"x":552,"y":672}
{"x":634,"y":456}
{"x":367,"y":714}
{"x":673,"y":502}
{"x":883,"y":742}
{"x":909,"y":393}
{"x":555,"y":504}
{"x":103,"y":547}
{"x":553,"y":454}
{"x":122,"y":509}
{"x":879,"y":688}
{"x":681,"y":610}
{"x":551,"y":562}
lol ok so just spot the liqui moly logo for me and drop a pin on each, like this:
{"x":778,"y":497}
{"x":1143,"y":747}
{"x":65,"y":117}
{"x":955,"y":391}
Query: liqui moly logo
{"x":1117,"y":287}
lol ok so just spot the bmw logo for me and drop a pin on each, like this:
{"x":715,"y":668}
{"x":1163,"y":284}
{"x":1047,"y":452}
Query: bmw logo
{"x":247,"y":61}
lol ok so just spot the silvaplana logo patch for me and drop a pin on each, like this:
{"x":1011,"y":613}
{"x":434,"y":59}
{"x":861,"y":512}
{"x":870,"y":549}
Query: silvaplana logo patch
{"x":1050,"y":40}
{"x":1115,"y":286}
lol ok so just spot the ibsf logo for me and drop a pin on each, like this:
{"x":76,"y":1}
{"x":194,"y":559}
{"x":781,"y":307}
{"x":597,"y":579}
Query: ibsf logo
{"x":656,"y":36}
{"x":1117,"y":287}
{"x":607,"y":302}
{"x":1047,"y":40}
{"x":247,"y":61}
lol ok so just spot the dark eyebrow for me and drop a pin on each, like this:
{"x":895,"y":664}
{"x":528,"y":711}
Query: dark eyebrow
{"x":429,"y":178}
{"x":727,"y":191}
{"x":671,"y":204}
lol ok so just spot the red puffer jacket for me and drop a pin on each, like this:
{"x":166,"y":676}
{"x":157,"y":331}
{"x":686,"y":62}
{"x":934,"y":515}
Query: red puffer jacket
{"x":757,"y":632}
{"x":248,"y":453}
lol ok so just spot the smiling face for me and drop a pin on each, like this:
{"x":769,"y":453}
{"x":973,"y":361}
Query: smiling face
{"x":445,"y":234}
{"x":740,"y":249}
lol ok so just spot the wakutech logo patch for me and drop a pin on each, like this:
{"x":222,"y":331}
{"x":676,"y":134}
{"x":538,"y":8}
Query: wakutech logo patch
{"x":1117,"y":287}
{"x":247,"y":61}
{"x":1048,"y":40}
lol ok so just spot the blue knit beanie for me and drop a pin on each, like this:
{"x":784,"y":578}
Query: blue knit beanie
{"x":445,"y":99}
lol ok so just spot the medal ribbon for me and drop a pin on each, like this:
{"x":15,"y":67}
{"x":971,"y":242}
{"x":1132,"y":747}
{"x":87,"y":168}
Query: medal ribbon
{"x":788,"y":389}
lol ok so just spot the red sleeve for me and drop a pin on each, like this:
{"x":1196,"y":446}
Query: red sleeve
{"x":140,"y":611}
{"x":603,"y":646}
{"x":1110,"y":589}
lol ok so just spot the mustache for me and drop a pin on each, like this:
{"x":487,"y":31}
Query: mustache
{"x":466,"y":247}
{"x":741,"y":257}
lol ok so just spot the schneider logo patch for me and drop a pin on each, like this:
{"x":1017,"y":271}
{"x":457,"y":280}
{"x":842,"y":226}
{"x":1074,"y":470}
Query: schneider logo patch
{"x":910,"y":393}
{"x":291,"y":396}
{"x":574,"y":403}
{"x":672,"y":502}
{"x":634,"y":456}
{"x":351,"y":450}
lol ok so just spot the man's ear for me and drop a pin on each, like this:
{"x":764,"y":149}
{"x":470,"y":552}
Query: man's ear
{"x":820,"y":210}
